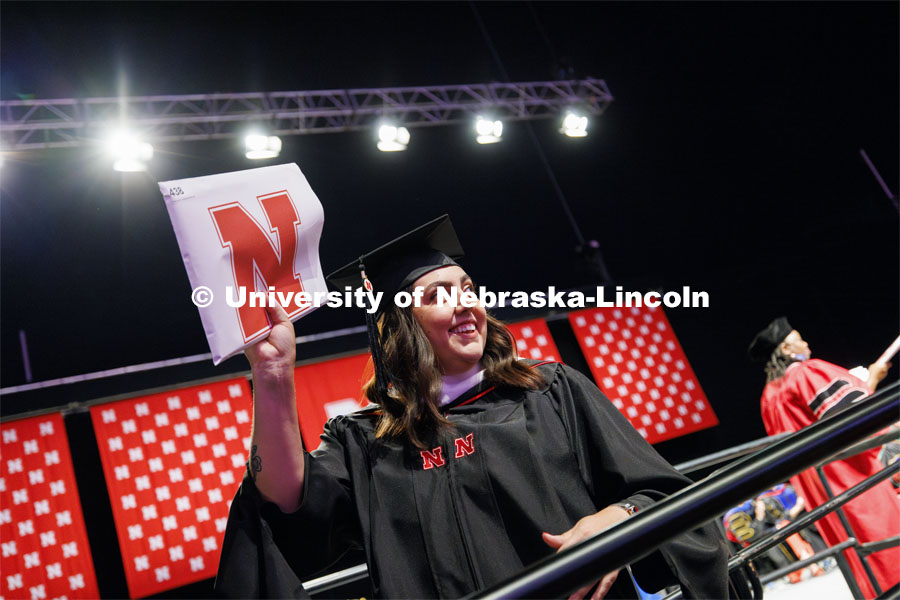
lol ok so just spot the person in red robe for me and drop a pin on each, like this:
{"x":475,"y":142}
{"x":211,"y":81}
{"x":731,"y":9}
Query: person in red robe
{"x":801,"y":390}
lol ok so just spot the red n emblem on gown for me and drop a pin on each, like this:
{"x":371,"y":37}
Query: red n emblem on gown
{"x":432,"y":458}
{"x":435,"y":458}
{"x":464,"y":446}
{"x":258,"y":257}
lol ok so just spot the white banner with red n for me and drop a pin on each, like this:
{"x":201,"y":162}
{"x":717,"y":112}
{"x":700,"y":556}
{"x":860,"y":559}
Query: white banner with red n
{"x":244,"y":233}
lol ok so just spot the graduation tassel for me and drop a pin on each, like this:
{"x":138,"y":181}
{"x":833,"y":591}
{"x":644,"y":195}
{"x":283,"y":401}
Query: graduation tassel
{"x":382,"y":379}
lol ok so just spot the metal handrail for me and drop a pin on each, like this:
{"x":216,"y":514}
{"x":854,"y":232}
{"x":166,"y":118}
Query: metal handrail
{"x":746,"y":554}
{"x":833,"y":505}
{"x":626,"y":541}
{"x":866,"y":444}
{"x":710,"y":460}
{"x":333,"y":580}
{"x":800,"y":564}
{"x":879,"y":545}
{"x":715,"y":458}
{"x":814,"y":515}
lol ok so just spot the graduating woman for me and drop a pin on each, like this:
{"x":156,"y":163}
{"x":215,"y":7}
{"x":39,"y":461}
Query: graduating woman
{"x":468,"y":466}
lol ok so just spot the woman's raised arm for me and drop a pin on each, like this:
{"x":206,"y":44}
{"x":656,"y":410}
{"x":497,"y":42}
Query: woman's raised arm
{"x":276,"y":447}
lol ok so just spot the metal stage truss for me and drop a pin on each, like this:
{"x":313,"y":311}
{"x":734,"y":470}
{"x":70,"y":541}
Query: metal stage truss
{"x":71,"y":122}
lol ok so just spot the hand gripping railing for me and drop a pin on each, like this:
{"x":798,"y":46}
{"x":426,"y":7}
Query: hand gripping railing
{"x":634,"y":538}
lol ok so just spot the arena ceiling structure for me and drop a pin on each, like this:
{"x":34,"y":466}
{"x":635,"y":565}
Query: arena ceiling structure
{"x":722,"y":153}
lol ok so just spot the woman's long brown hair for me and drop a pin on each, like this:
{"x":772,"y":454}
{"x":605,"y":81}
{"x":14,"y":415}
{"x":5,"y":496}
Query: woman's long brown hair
{"x":411,"y":406}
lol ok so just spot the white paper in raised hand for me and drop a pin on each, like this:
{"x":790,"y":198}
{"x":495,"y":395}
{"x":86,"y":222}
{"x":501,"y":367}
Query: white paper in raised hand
{"x":249,"y":231}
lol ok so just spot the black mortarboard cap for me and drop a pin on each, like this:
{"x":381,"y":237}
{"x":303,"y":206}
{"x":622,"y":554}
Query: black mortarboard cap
{"x":768,"y":339}
{"x":394,"y":267}
{"x":397,"y":264}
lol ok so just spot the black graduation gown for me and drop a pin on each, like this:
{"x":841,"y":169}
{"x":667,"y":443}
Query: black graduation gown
{"x":459,"y":519}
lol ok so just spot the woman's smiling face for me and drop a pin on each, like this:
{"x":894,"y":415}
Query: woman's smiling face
{"x":457,"y":333}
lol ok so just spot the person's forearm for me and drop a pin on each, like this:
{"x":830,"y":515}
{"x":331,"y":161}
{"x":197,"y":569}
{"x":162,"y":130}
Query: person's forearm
{"x":877,"y":372}
{"x":276,"y":447}
{"x":872,"y":382}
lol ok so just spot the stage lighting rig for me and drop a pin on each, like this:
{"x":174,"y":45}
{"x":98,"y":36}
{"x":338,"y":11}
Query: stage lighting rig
{"x":574,"y":124}
{"x":258,"y":146}
{"x":129,"y":153}
{"x":72,"y":122}
{"x":488,"y":131}
{"x":392,"y":138}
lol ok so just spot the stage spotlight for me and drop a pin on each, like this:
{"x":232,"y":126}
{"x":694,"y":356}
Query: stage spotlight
{"x":487,"y":131}
{"x":130,"y":155}
{"x":392,"y":139}
{"x":262,"y":146}
{"x":574,"y":125}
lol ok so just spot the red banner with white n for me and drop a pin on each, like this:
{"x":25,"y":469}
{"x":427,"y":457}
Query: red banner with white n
{"x":45,"y":552}
{"x":172,"y":463}
{"x":533,"y":340}
{"x":637,"y":361}
{"x":328,"y":389}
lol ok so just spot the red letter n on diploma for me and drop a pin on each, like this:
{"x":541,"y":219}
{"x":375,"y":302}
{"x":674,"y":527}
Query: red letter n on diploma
{"x":259,"y":258}
{"x":434,"y":458}
{"x":464,"y":446}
